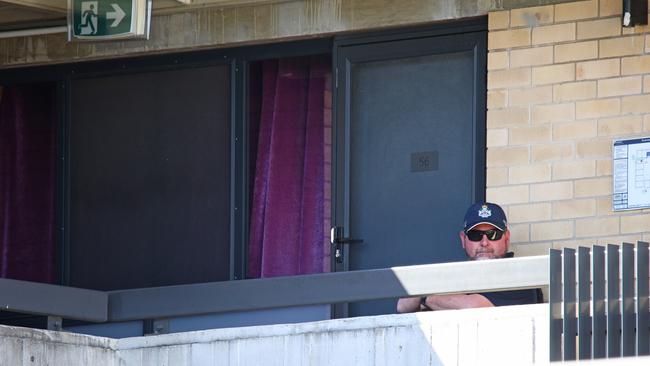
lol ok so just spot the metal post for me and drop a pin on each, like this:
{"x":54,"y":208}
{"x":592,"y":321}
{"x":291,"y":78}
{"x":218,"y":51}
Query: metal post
{"x":569,"y":308}
{"x":628,"y":318}
{"x":584,"y":296}
{"x":598,"y":320}
{"x":555,"y":302}
{"x":613,"y":303}
{"x":642,"y":336}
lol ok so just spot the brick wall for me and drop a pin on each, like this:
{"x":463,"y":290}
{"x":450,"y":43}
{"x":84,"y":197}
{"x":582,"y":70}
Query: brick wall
{"x":564,"y":81}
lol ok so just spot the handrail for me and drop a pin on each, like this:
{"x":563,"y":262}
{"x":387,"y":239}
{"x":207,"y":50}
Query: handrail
{"x":53,"y":300}
{"x":326,"y":288}
{"x":258,"y":294}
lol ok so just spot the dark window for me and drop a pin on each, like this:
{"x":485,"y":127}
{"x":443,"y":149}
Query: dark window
{"x":150,"y":179}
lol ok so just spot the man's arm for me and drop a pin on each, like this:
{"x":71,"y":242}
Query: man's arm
{"x":408,"y":304}
{"x":461,"y":301}
{"x":443,"y":302}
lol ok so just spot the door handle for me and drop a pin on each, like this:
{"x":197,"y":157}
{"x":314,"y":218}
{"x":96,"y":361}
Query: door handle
{"x":337,"y":239}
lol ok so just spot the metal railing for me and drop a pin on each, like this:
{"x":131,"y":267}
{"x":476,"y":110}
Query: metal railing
{"x":257,"y":294}
{"x":609,"y":311}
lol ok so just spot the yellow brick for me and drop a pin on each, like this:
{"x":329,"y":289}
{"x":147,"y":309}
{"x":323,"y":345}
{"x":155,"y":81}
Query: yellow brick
{"x":647,"y":43}
{"x":575,"y":130}
{"x":646,"y":122}
{"x":604,"y":206}
{"x":624,"y":46}
{"x":497,"y":99}
{"x":507,"y":117}
{"x":620,"y":126}
{"x":618,"y":239}
{"x":553,"y":74}
{"x":574,"y":91}
{"x":522,"y":97}
{"x":553,"y":113}
{"x":498,"y":19}
{"x":554,"y":33}
{"x":519,"y":233}
{"x":576,"y":10}
{"x":598,"y":148}
{"x":635,"y":224}
{"x":551,"y":152}
{"x":599,"y":28}
{"x":576,"y":51}
{"x":598,"y":108}
{"x":611,"y":7}
{"x":509,"y":38}
{"x":532,"y":16}
{"x":593,"y":187}
{"x":554,"y":191}
{"x":530,"y":135}
{"x":508,"y":195}
{"x":497,"y":137}
{"x":551,"y":230}
{"x":496,"y":177}
{"x":574,"y":169}
{"x":524,"y":249}
{"x":574,"y":209}
{"x":497,"y":60}
{"x":507,"y":156}
{"x":619,"y":86}
{"x":529,"y":174}
{"x":646,"y":83}
{"x":531,"y":56}
{"x":574,"y":244}
{"x":604,"y":167}
{"x":508,"y":78}
{"x":597,"y":69}
{"x":635,"y":65}
{"x":636,"y":104}
{"x":597,"y":227}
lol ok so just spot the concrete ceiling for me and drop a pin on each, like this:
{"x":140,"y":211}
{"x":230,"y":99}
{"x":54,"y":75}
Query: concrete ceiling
{"x":28,"y":14}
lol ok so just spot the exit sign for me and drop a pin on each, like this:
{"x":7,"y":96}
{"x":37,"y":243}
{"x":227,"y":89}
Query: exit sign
{"x":108,"y":19}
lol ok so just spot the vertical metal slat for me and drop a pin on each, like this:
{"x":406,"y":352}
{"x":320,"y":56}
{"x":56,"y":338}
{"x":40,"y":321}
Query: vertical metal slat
{"x":613,"y":303}
{"x":569,"y":308}
{"x":643,"y":333}
{"x":555,"y":302}
{"x":584,"y":320}
{"x":598,"y":323}
{"x":627,"y":294}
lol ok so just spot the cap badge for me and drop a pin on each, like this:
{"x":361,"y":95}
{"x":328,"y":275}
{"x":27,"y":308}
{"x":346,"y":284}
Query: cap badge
{"x":484,"y":212}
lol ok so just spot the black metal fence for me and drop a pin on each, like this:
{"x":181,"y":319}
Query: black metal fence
{"x":604,"y":311}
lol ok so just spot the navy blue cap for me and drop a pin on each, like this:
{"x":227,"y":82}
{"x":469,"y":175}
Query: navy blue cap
{"x":485,"y":213}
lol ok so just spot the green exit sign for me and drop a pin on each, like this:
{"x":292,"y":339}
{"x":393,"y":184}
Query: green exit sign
{"x":108,"y":19}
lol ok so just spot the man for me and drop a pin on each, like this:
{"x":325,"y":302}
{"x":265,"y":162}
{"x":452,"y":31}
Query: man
{"x":485,"y":236}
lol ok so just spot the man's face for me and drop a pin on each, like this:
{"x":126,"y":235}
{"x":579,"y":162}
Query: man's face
{"x":485,"y":248}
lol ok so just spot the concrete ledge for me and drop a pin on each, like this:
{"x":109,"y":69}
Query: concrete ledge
{"x":512,"y":335}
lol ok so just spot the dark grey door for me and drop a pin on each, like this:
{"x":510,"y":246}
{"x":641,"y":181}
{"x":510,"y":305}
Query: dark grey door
{"x":410,"y":151}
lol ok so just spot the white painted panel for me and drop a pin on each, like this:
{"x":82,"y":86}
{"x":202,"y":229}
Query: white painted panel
{"x":444,"y":343}
{"x":468,"y":353}
{"x":11,"y":351}
{"x":409,"y":345}
{"x":33,"y":353}
{"x":154,"y":356}
{"x":180,"y":355}
{"x":508,"y":341}
{"x":266,"y":351}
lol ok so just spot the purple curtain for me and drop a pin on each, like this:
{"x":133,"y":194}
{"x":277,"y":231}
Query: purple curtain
{"x":27,"y":171}
{"x":288,"y":200}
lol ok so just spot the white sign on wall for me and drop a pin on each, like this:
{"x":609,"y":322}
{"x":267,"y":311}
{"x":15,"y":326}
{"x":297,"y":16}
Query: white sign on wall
{"x":631,"y":170}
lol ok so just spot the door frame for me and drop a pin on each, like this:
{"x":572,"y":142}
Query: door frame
{"x":463,"y":35}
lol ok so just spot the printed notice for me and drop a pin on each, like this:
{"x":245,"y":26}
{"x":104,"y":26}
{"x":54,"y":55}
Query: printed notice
{"x":631,"y":174}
